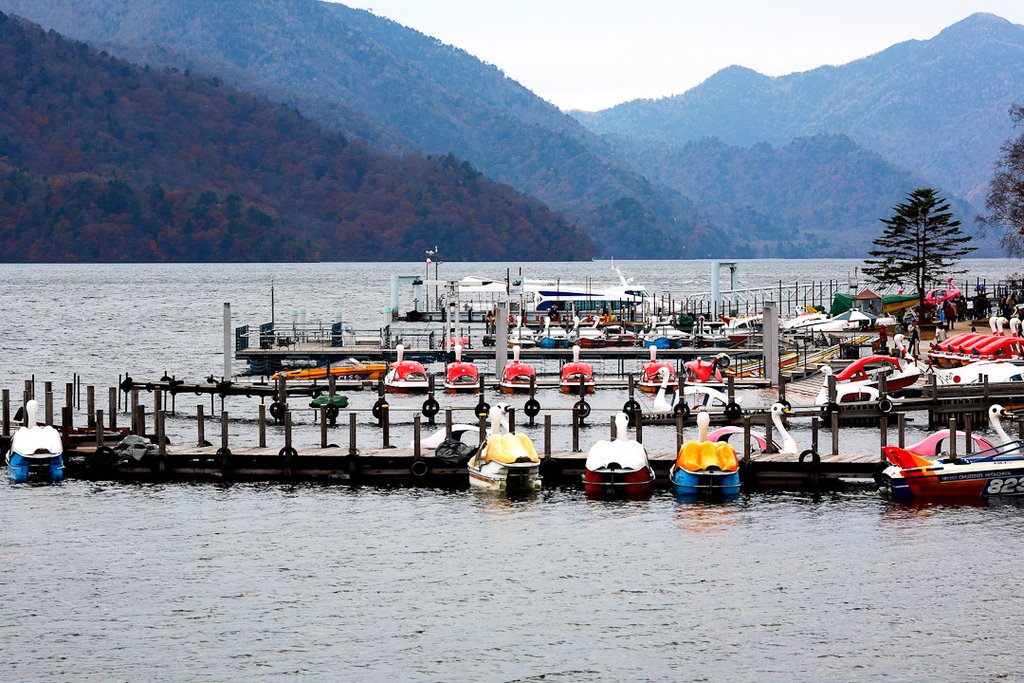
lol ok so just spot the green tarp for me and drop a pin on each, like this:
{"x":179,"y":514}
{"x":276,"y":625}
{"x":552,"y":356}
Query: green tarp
{"x":844,"y":302}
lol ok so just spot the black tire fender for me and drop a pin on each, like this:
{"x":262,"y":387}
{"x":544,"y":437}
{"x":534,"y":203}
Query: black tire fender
{"x":430,"y":408}
{"x":885,"y":405}
{"x":733,"y":410}
{"x":681,"y":408}
{"x":482,"y":410}
{"x":288,"y":452}
{"x":277,"y":411}
{"x":419,"y":468}
{"x":583,"y":408}
{"x":810,"y":460}
{"x":378,"y":408}
{"x":532,"y":407}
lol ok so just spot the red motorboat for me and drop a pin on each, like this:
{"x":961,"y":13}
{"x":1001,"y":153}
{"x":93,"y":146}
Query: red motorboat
{"x":574,"y":373}
{"x":460,"y":376}
{"x":899,"y":373}
{"x":517,"y":376}
{"x":405,"y":376}
{"x":651,"y":379}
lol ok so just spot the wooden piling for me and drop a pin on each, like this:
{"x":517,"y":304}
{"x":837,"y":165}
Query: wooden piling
{"x":65,"y":422}
{"x":639,"y":421}
{"x":224,"y":430}
{"x":352,"y":450}
{"x":883,"y":435}
{"x":482,"y":426}
{"x":547,"y":435}
{"x":968,"y":433}
{"x":385,"y":420}
{"x":48,"y":407}
{"x":99,"y":428}
{"x":746,"y":439}
{"x":575,"y":430}
{"x":416,"y":435}
{"x":448,"y":422}
{"x":901,"y":429}
{"x":90,"y":405}
{"x":7,"y":411}
{"x":835,"y":433}
{"x":430,"y":394}
{"x":133,"y":418}
{"x":158,"y":421}
{"x":814,"y":434}
{"x":112,"y":406}
{"x":323,"y":426}
{"x":679,"y":431}
{"x":200,"y":426}
{"x":263,"y":426}
{"x":769,"y":437}
{"x":952,"y":438}
{"x":287,"y":428}
{"x":511,"y":420}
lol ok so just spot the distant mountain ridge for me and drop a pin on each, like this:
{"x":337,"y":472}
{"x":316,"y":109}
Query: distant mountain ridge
{"x":399,"y":89}
{"x":630,"y":183}
{"x":101,"y":160}
{"x":936,"y":107}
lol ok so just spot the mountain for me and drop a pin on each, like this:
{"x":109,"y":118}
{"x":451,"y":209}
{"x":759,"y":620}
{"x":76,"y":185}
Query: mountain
{"x":101,"y":160}
{"x":399,"y":90}
{"x":814,"y":196}
{"x":936,"y":107}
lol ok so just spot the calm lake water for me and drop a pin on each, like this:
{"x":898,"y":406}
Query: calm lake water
{"x":206,"y":582}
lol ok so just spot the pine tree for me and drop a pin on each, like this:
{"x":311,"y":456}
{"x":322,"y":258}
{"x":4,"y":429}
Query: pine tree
{"x":921,"y":242}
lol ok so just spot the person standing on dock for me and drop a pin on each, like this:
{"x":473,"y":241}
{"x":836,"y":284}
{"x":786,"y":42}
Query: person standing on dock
{"x":915,"y":339}
{"x":883,"y":339}
{"x":489,"y":322}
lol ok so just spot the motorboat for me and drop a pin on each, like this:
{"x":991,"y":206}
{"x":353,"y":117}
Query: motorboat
{"x":576,"y":373}
{"x":618,"y":467}
{"x":517,"y":376}
{"x":991,"y":472}
{"x":742,"y":328}
{"x":700,"y":371}
{"x":705,"y":468}
{"x":405,"y":376}
{"x":461,"y":376}
{"x":650,"y":380}
{"x":37,"y":453}
{"x":802,"y":322}
{"x":553,"y":337}
{"x":349,"y":368}
{"x":504,"y":462}
{"x":521,"y":336}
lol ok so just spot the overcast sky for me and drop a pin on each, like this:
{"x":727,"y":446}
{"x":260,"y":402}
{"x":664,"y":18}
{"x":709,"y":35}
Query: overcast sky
{"x":592,"y":54}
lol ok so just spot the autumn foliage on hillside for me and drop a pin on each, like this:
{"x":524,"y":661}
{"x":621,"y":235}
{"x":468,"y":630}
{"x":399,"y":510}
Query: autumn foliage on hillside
{"x":101,"y":160}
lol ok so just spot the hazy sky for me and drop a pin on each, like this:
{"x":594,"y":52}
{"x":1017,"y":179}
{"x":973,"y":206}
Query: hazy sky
{"x":591,"y":54}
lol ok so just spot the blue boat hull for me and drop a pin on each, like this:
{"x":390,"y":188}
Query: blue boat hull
{"x":704,"y":483}
{"x":21,"y":469}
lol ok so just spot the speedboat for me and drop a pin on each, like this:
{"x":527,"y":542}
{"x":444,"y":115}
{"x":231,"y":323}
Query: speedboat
{"x":995,"y":471}
{"x":36,"y":451}
{"x":576,"y":373}
{"x":349,"y":368}
{"x":650,"y":380}
{"x":461,"y":376}
{"x":700,"y":371}
{"x":504,"y":462}
{"x":619,"y":466}
{"x":517,"y":376}
{"x":705,"y":468}
{"x":553,"y":337}
{"x":406,"y":376}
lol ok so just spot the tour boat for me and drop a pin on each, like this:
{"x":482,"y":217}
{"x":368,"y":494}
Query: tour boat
{"x":705,"y":468}
{"x":995,"y":471}
{"x":504,"y":462}
{"x":650,"y":381}
{"x":517,"y":376}
{"x":461,"y":376}
{"x":36,"y":451}
{"x":346,"y":369}
{"x":619,"y":466}
{"x":405,"y":376}
{"x":576,"y":373}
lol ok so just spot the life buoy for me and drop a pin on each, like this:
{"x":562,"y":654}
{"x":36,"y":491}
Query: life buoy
{"x":532,"y":407}
{"x":277,"y":411}
{"x":885,"y":405}
{"x":430,"y":408}
{"x":583,"y":408}
{"x":419,"y":468}
{"x":378,"y":408}
{"x":733,"y":410}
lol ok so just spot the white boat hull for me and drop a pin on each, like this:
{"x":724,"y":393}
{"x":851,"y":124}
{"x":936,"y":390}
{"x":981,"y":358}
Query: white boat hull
{"x":496,"y":476}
